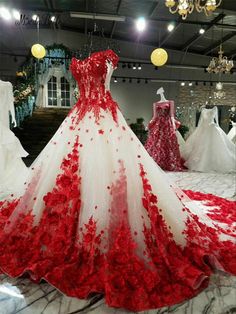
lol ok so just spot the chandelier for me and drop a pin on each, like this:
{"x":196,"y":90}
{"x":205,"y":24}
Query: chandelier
{"x":220,"y":64}
{"x":185,"y":7}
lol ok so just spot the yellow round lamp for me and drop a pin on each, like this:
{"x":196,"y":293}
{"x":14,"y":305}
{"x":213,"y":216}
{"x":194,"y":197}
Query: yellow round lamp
{"x":159,"y":57}
{"x":38,"y":51}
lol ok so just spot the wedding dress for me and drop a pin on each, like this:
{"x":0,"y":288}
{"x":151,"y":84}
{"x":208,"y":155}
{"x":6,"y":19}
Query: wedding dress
{"x":181,"y":142}
{"x":99,"y":216}
{"x":162,"y":143}
{"x":12,"y":169}
{"x":208,"y":148}
{"x":232,"y":133}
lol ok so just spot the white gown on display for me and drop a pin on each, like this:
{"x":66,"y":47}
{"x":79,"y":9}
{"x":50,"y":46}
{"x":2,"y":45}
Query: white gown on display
{"x":12,"y":169}
{"x":208,"y":148}
{"x":232,"y":133}
{"x":181,"y":142}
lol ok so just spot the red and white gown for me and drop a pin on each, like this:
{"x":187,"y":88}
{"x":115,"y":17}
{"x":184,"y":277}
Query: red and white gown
{"x":97,"y":214}
{"x":162,"y":143}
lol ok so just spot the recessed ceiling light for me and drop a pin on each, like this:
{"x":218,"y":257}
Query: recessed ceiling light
{"x":182,"y":83}
{"x":35,"y":17}
{"x":170,"y":27}
{"x":190,"y":84}
{"x":53,"y":19}
{"x":201,"y":31}
{"x":5,"y":14}
{"x":141,"y":24}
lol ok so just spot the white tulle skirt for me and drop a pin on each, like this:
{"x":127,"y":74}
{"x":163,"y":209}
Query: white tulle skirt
{"x":97,"y":215}
{"x":208,"y":149}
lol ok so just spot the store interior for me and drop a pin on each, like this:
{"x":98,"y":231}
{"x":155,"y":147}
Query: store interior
{"x":182,"y":50}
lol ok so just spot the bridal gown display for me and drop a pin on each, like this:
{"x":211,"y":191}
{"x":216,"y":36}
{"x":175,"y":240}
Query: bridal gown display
{"x":99,"y":216}
{"x":208,"y":148}
{"x":13,"y":171}
{"x":162,"y":143}
{"x":232,"y":133}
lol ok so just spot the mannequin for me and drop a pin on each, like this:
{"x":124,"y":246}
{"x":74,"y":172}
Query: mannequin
{"x":12,"y":169}
{"x":162,"y":143}
{"x":7,"y":104}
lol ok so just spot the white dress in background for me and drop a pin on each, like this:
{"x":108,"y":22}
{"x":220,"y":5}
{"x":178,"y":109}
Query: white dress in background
{"x":208,"y":148}
{"x":181,"y":142}
{"x":12,"y":169}
{"x":232,"y":133}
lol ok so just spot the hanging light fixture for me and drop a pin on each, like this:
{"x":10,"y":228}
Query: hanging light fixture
{"x":159,"y":57}
{"x":185,"y":7}
{"x":38,"y":50}
{"x":220,"y":64}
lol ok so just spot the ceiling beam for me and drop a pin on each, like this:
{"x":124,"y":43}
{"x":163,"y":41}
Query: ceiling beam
{"x":115,"y":23}
{"x":197,"y":36}
{"x":153,"y":9}
{"x":218,"y":43}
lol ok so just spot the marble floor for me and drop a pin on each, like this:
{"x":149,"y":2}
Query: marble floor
{"x":24,"y":297}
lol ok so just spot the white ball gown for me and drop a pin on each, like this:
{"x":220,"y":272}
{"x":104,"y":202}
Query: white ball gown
{"x":99,"y":216}
{"x":208,"y":149}
{"x":12,"y":169}
{"x":232,"y":133}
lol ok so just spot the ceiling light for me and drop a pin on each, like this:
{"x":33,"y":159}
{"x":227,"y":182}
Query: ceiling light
{"x":92,"y":16}
{"x":134,"y":66}
{"x":115,"y":80}
{"x":130,"y":80}
{"x":170,"y":27}
{"x":124,"y":80}
{"x":35,"y":17}
{"x":53,"y":19}
{"x":16,"y":15}
{"x":138,"y":81}
{"x":141,"y":24}
{"x":139,"y":67}
{"x":201,"y":31}
{"x":123,"y":65}
{"x":5,"y":14}
{"x":190,"y":84}
{"x":182,"y":83}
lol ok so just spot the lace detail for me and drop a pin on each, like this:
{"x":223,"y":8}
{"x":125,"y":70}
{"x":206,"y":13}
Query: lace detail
{"x":91,"y":75}
{"x":92,"y":220}
{"x":162,"y":142}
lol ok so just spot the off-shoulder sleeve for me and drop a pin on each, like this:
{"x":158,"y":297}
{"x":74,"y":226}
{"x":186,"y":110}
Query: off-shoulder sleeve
{"x":112,"y":57}
{"x":74,"y":68}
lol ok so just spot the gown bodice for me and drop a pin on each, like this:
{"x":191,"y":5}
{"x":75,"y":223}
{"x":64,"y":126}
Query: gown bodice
{"x":209,"y":116}
{"x":93,"y":73}
{"x":93,"y":77}
{"x":161,"y":108}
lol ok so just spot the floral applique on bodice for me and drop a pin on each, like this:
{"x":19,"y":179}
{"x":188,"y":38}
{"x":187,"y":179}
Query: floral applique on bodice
{"x":92,"y":75}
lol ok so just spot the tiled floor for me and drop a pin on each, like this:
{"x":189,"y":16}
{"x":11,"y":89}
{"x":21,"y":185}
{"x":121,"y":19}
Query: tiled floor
{"x":24,"y":297}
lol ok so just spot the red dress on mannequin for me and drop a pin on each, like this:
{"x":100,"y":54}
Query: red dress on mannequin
{"x":162,"y":142}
